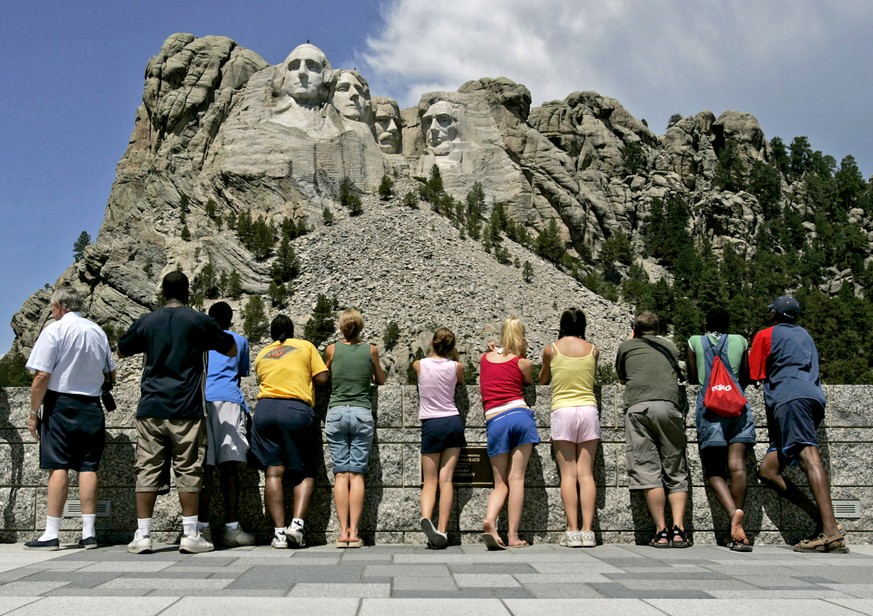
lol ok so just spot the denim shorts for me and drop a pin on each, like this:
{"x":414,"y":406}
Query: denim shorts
{"x":716,"y":431}
{"x":349,"y":431}
{"x":509,"y":430}
{"x":793,"y":425}
{"x":441,"y":433}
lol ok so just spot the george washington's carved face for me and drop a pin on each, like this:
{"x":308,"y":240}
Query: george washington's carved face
{"x":306,"y":75}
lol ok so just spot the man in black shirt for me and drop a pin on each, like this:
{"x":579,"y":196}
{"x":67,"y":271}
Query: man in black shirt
{"x":169,"y":419}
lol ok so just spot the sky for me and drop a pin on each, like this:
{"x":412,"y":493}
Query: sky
{"x":73,"y":78}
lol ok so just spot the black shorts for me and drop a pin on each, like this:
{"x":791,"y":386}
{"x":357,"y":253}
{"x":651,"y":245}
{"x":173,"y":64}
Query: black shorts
{"x":441,"y":433}
{"x":285,"y":433}
{"x":72,"y":432}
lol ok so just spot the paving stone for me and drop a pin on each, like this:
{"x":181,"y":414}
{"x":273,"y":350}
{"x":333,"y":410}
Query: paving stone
{"x":749,"y":607}
{"x":861,"y":591}
{"x":484,"y":568}
{"x":29,"y":589}
{"x":406,"y":571}
{"x":494,"y":580}
{"x":176,"y":584}
{"x":793,"y":593}
{"x":97,"y":606}
{"x":622,"y":592}
{"x":590,"y":607}
{"x":266,"y":606}
{"x":437,"y":584}
{"x":453,"y":606}
{"x":466,"y":593}
{"x":562,"y":591}
{"x":336,"y":590}
{"x":73,"y":580}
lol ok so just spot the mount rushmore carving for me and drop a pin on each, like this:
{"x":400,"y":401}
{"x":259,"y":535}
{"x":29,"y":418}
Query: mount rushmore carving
{"x":219,"y":124}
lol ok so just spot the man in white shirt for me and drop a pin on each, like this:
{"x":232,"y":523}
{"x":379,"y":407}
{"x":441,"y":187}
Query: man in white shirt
{"x":72,"y":359}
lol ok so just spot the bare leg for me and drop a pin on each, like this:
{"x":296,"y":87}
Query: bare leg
{"x":274,"y":494}
{"x":206,"y":496}
{"x":448,"y":461}
{"x":517,"y":468}
{"x":341,"y":502}
{"x":678,"y":501}
{"x":58,"y":483}
{"x":656,"y":500}
{"x":87,"y":492}
{"x":500,"y":469}
{"x":145,"y":504}
{"x":810,"y":462}
{"x":737,"y":470}
{"x":302,"y":497}
{"x":585,"y":454}
{"x":565,"y":455}
{"x":430,"y":463}
{"x":356,"y":503}
{"x":190,"y":501}
{"x":770,"y":473}
{"x":228,"y":478}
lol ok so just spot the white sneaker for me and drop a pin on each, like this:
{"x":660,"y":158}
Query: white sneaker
{"x":195,"y":545}
{"x":571,"y":539}
{"x":588,"y":540}
{"x":279,"y":542}
{"x":294,"y":535}
{"x":236,"y":537}
{"x":140,"y":544}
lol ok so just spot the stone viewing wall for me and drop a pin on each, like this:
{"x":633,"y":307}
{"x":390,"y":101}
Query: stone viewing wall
{"x":392,"y":506}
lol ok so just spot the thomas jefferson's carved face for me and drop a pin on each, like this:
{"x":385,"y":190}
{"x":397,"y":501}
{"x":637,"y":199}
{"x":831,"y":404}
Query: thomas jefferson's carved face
{"x":351,"y":97}
{"x":388,"y":127}
{"x":440,"y":126}
{"x":305,"y":78}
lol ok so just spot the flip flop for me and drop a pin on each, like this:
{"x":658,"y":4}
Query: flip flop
{"x":356,"y":543}
{"x":491,"y":542}
{"x":342,"y":544}
{"x":736,"y":546}
{"x":519,"y":545}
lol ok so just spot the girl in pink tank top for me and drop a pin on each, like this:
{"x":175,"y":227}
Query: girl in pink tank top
{"x":442,"y":431}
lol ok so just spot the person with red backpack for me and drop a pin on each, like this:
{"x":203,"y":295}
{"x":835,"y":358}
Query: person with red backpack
{"x":718,"y":362}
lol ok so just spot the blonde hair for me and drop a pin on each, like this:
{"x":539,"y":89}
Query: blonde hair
{"x":351,"y":323}
{"x":512,"y":336}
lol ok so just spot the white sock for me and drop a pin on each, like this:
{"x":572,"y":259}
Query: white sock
{"x":143,"y":527}
{"x":201,"y":526}
{"x":232,"y":525}
{"x":189,"y":525}
{"x":88,"y":520}
{"x":52,"y":528}
{"x":279,"y":532}
{"x":297,"y":523}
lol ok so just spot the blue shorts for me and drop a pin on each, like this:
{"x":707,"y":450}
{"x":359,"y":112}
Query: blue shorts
{"x":349,"y":431}
{"x":717,"y":431}
{"x":72,"y":433}
{"x":285,"y":433}
{"x":792,"y":426}
{"x":441,"y":433}
{"x":509,"y":430}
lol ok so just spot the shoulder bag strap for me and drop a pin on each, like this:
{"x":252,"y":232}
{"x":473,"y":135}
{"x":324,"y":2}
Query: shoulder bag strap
{"x":666,"y":353}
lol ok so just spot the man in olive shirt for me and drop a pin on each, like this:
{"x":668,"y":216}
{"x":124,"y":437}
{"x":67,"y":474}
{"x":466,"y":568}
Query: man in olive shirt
{"x":654,"y":427}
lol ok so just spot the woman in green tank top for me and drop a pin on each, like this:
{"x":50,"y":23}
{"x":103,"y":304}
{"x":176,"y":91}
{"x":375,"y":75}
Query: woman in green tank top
{"x":349,"y":426}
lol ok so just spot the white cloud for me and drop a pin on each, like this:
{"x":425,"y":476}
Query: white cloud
{"x":774,"y":59}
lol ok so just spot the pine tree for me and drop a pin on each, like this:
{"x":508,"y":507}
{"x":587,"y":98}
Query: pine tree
{"x":286,"y":266}
{"x":386,"y":188}
{"x":320,"y":326}
{"x":80,"y":245}
{"x":391,"y":336}
{"x":234,"y":286}
{"x":410,"y":200}
{"x":549,"y":245}
{"x":527,"y":272}
{"x":327,"y":216}
{"x":255,"y":324}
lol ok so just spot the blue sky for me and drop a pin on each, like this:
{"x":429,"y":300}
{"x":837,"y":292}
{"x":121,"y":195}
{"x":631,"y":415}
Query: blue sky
{"x":73,"y":77}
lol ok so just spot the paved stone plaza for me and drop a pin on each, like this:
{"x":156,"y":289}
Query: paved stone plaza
{"x":405,"y":579}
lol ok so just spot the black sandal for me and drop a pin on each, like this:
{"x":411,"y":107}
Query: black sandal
{"x":679,"y":539}
{"x":660,"y":535}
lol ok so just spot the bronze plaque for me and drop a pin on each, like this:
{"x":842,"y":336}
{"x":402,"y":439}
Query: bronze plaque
{"x":474,"y":467}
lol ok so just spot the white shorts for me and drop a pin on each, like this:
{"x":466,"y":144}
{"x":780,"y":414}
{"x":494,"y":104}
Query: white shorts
{"x":226,"y":436}
{"x":577,"y":424}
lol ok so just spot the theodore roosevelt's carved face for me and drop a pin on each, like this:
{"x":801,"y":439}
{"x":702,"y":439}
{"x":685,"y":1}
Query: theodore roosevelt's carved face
{"x":387,"y":120}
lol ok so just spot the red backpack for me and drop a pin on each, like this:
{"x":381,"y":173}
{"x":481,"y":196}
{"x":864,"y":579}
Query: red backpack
{"x":723,"y":394}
